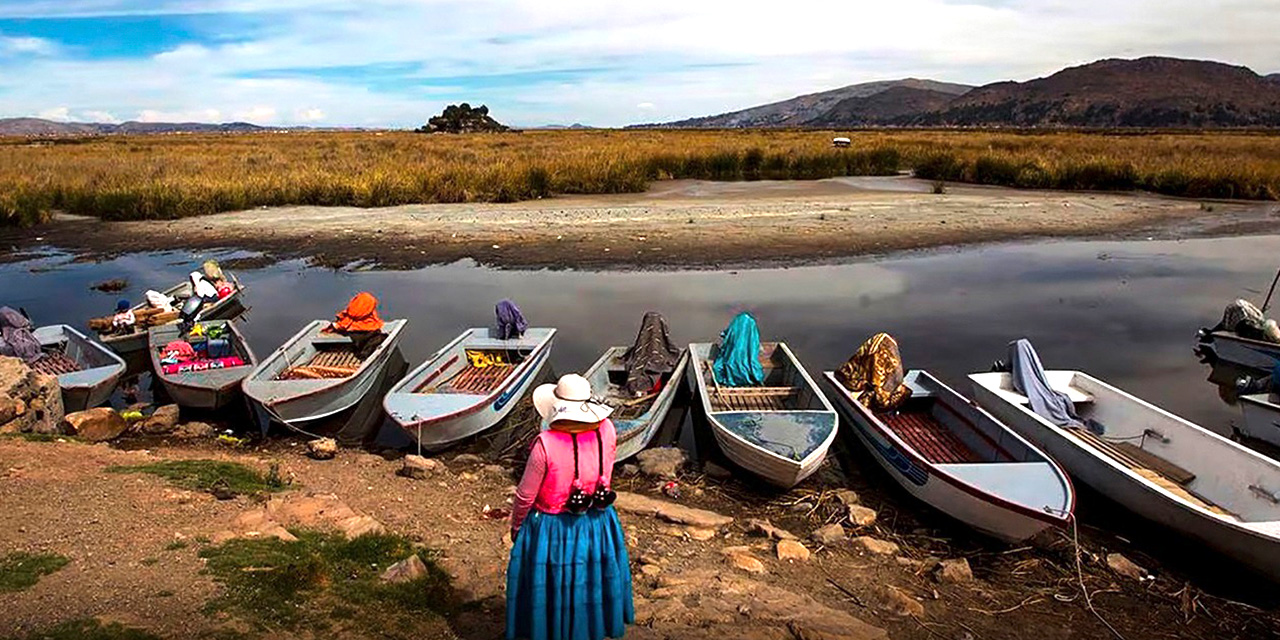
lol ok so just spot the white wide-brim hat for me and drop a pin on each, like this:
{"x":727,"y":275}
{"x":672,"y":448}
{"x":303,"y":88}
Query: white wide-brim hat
{"x":569,"y":399}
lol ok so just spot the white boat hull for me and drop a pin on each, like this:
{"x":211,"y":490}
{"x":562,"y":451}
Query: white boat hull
{"x":956,"y":499}
{"x":324,"y":398}
{"x":1255,"y":544}
{"x":1261,"y":418}
{"x":777,"y":469}
{"x":433,"y":424}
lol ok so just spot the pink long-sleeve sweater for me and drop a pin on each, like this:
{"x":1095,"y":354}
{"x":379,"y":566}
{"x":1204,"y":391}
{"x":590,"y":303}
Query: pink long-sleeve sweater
{"x":548,"y":476}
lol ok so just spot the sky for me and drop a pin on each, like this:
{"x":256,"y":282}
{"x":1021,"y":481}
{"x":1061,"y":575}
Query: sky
{"x":394,"y":63}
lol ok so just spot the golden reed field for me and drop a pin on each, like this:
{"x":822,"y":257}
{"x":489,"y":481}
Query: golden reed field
{"x":170,"y":176}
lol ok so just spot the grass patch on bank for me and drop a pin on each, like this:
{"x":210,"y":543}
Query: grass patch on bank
{"x":324,"y":580}
{"x":90,"y":629}
{"x":208,"y":475}
{"x":20,"y":570}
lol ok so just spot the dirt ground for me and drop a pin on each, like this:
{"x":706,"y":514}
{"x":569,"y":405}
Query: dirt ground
{"x":117,"y":531}
{"x":675,"y":224}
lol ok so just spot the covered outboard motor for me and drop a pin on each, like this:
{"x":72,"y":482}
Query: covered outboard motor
{"x":190,"y":313}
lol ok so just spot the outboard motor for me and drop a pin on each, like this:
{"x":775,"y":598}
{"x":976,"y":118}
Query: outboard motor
{"x":190,"y":313}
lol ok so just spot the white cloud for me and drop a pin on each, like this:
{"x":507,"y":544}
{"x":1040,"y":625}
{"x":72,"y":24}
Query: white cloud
{"x":56,"y":113}
{"x":257,"y":114}
{"x":28,"y":45}
{"x":93,"y":115}
{"x":309,"y":115}
{"x":390,"y":59}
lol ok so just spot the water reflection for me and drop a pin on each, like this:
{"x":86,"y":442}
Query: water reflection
{"x":1125,"y":311}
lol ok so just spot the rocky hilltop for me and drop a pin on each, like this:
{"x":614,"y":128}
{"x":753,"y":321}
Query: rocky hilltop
{"x":803,"y":110}
{"x":1143,"y":92}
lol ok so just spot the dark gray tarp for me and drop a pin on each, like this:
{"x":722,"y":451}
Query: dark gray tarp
{"x":16,"y":339}
{"x":1029,"y":379}
{"x":511,"y":323}
{"x":651,"y":356}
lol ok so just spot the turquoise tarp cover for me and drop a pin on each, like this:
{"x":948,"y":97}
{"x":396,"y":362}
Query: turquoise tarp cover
{"x":737,"y":362}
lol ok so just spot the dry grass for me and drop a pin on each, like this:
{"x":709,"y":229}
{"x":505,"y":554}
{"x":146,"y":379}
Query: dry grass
{"x":174,"y":176}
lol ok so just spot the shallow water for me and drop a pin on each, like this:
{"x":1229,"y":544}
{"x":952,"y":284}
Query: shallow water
{"x":1126,"y":311}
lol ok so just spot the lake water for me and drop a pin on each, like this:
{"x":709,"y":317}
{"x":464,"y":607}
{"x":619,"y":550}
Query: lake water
{"x":1125,"y":311}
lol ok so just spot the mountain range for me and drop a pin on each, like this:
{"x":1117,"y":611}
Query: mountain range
{"x":42,"y":127}
{"x":1143,"y":92}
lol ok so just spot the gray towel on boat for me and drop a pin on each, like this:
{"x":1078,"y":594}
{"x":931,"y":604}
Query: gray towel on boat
{"x":16,"y":339}
{"x":1029,"y":379}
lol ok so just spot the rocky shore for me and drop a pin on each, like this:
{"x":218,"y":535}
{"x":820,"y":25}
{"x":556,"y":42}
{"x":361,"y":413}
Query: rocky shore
{"x":169,"y":530}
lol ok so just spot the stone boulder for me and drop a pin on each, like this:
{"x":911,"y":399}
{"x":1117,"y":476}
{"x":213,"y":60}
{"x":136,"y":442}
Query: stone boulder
{"x":418,"y":467}
{"x":307,"y":511}
{"x":953,"y":571}
{"x":322,"y":448}
{"x":715,"y":605}
{"x":861,"y":516}
{"x":406,"y":570}
{"x":757,"y":527}
{"x":791,"y":550}
{"x":876,"y":546}
{"x":95,"y":425}
{"x":895,"y":601}
{"x":628,"y":502}
{"x":194,"y":430}
{"x":162,"y":422}
{"x":1125,"y":567}
{"x":30,"y":402}
{"x":828,"y":535}
{"x":663,"y":462}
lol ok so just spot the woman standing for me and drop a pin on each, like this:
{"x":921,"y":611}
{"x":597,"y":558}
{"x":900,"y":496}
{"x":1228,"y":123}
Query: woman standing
{"x":569,"y":576}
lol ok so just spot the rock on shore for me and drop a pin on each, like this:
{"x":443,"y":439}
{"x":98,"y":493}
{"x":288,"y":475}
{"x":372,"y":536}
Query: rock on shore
{"x":30,"y":402}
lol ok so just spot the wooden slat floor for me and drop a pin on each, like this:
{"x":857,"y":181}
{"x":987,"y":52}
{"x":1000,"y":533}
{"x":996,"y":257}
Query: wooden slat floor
{"x":478,"y":381}
{"x":929,"y":438}
{"x":54,"y":363}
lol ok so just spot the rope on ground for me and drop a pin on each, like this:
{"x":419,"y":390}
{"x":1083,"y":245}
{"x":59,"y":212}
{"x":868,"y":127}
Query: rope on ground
{"x":1075,"y":541}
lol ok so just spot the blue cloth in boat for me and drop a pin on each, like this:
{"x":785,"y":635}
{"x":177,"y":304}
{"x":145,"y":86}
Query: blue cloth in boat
{"x":1030,"y":380}
{"x":737,"y":361}
{"x":511,"y":323}
{"x":569,"y":578}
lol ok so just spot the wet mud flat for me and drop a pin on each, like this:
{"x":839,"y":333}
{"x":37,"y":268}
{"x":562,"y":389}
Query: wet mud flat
{"x":680,"y":224}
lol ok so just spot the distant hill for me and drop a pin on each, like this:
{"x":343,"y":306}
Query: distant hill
{"x":1146,"y":92}
{"x":891,"y":106}
{"x":41,"y":127}
{"x":799,"y":111}
{"x":463,"y":118}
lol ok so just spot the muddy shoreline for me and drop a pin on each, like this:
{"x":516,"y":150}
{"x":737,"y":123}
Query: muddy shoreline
{"x":677,"y":224}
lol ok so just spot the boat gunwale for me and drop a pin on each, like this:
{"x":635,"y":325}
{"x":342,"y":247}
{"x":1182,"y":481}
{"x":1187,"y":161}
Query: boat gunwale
{"x":1233,"y":522}
{"x":945,"y":475}
{"x":482,"y":401}
{"x":818,"y":451}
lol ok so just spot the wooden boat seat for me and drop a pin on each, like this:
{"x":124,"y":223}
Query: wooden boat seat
{"x":923,"y":433}
{"x":1073,"y":394}
{"x":1152,"y":467}
{"x":752,"y":398}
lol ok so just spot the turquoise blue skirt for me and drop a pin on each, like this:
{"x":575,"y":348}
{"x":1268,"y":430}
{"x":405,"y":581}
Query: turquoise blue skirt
{"x":569,"y":578}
